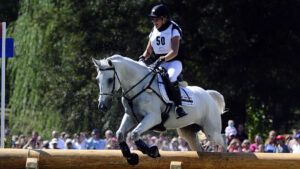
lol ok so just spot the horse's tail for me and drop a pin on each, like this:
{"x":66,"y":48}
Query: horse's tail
{"x":218,"y":97}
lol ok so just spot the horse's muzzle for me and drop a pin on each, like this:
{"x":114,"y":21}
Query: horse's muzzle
{"x":102,"y":107}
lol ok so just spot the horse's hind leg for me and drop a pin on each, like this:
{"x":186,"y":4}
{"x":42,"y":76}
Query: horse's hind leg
{"x":212,"y":130}
{"x":189,"y":134}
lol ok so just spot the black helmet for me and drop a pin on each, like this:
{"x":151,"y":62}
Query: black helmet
{"x":159,"y":10}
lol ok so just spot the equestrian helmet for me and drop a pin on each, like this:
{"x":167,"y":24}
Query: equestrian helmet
{"x":159,"y":11}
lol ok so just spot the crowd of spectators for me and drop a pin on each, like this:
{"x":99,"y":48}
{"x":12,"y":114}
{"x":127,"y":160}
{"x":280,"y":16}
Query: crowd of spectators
{"x":235,"y":138}
{"x":84,"y":140}
{"x":237,"y":141}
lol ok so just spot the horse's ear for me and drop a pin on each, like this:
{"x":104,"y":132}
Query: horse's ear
{"x":109,"y":62}
{"x":97,"y":63}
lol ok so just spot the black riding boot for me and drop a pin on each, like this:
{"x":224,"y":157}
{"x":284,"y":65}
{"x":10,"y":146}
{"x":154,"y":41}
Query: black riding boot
{"x":177,"y":100}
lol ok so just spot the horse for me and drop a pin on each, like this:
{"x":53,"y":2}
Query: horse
{"x":141,"y":99}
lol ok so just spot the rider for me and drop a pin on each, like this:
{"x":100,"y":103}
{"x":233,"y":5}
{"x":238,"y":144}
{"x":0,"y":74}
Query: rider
{"x":164,"y":41}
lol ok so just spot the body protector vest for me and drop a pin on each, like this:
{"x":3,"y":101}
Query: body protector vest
{"x":161,"y":39}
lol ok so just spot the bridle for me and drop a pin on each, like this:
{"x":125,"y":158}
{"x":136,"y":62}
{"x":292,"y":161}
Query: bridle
{"x":112,"y":93}
{"x":148,"y":86}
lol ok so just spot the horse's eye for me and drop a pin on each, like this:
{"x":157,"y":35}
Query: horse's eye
{"x":110,"y":80}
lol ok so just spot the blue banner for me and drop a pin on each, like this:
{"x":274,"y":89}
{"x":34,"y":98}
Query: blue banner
{"x":9,"y":47}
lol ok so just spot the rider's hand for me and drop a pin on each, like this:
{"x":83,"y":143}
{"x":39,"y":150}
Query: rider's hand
{"x":162,"y":58}
{"x":142,"y":58}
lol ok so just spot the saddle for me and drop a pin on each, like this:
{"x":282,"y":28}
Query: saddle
{"x":165,"y":79}
{"x":164,"y":84}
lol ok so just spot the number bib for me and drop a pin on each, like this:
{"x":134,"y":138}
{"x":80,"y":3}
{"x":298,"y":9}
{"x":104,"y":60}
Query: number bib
{"x":161,"y":41}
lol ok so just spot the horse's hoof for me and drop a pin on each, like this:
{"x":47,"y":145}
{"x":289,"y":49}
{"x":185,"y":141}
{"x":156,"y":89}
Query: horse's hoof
{"x":153,"y":152}
{"x":133,"y":159}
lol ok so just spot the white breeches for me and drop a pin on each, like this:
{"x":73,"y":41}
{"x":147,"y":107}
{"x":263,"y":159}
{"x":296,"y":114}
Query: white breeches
{"x":173,"y":68}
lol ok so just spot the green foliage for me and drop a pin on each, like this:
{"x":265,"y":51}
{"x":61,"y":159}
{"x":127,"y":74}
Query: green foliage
{"x":258,"y":121}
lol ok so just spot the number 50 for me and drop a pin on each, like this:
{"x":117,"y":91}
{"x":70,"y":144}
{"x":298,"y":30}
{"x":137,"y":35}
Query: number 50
{"x":160,"y":40}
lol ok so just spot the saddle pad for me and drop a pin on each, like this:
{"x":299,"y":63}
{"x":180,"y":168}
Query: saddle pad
{"x":187,"y":95}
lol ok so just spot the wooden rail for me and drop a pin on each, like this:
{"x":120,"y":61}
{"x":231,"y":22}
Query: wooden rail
{"x":112,"y":159}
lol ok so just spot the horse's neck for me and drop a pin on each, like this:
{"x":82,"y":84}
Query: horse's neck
{"x":130,"y":73}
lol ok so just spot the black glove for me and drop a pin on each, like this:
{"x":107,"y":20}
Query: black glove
{"x":142,"y":58}
{"x":157,"y":63}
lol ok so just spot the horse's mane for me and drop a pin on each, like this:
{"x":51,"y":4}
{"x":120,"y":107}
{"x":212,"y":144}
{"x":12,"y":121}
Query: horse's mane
{"x":123,"y":59}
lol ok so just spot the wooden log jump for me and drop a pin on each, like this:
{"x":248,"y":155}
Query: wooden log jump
{"x":112,"y":159}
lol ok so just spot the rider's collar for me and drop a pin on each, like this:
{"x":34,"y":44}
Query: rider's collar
{"x":164,"y":26}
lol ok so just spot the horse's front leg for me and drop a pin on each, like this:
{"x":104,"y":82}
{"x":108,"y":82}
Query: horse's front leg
{"x":150,"y":120}
{"x":126,"y":124}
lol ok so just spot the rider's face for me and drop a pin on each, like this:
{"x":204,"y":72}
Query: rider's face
{"x":158,"y":22}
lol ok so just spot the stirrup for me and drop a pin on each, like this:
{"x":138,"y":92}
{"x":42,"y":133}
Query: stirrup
{"x":180,"y":112}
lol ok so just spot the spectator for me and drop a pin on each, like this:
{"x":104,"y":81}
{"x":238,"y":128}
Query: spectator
{"x":182,"y":144}
{"x":45,"y":144}
{"x":228,"y":139}
{"x":246,"y":146}
{"x":53,"y":144}
{"x":234,"y":146}
{"x":153,"y":141}
{"x":32,"y":142}
{"x":68,"y":144}
{"x":17,"y":145}
{"x":63,"y":136}
{"x":257,"y":146}
{"x":296,"y":147}
{"x":14,"y":139}
{"x":270,"y":146}
{"x":208,"y":146}
{"x":292,"y":140}
{"x":281,"y":147}
{"x":21,"y":141}
{"x":112,"y":144}
{"x":39,"y":142}
{"x":95,"y":142}
{"x":271,"y":138}
{"x":165,"y":145}
{"x":108,"y":135}
{"x":241,"y":134}
{"x":130,"y":142}
{"x":111,"y":140}
{"x":60,"y":141}
{"x":230,"y":131}
{"x":80,"y":142}
{"x":174,"y":144}
{"x":162,"y":137}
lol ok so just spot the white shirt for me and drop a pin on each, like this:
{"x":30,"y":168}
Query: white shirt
{"x":229,"y":130}
{"x":296,"y":148}
{"x":99,"y":144}
{"x":60,"y":144}
{"x":161,"y":41}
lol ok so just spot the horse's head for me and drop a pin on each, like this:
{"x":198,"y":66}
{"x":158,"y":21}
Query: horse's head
{"x":108,"y":83}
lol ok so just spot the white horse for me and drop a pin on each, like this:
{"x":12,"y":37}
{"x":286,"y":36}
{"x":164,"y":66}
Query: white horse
{"x":143,"y":107}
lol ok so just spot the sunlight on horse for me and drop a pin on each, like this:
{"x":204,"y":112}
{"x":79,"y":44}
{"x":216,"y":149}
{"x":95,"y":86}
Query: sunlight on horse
{"x":143,"y":109}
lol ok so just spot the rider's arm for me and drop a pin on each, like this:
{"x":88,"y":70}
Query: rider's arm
{"x":174,"y":49}
{"x":148,"y":50}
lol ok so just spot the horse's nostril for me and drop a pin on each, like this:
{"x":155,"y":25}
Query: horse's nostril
{"x":102,"y":107}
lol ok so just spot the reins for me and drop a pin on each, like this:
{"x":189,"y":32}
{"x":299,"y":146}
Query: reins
{"x":154,"y":71}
